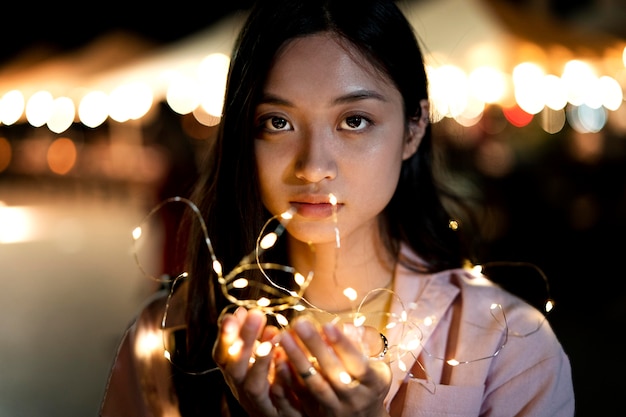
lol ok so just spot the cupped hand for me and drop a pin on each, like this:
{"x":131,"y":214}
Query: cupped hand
{"x":248,"y":372}
{"x":329,"y":373}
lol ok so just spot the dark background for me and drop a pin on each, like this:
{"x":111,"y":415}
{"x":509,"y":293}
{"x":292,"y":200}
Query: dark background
{"x":542,"y":198}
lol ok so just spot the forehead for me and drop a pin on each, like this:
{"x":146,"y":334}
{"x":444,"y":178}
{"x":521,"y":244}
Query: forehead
{"x":325,"y":55}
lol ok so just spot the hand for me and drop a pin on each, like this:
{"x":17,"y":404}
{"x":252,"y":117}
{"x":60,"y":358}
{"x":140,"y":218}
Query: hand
{"x":248,"y":374}
{"x":329,"y":373}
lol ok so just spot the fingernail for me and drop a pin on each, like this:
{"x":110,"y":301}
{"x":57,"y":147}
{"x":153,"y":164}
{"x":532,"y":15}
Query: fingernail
{"x":304,"y":328}
{"x":331,"y":331}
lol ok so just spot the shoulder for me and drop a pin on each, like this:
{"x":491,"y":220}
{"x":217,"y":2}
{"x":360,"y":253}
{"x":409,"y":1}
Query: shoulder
{"x":139,"y":380}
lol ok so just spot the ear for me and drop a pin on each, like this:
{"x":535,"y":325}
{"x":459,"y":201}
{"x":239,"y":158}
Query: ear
{"x":416,"y":130}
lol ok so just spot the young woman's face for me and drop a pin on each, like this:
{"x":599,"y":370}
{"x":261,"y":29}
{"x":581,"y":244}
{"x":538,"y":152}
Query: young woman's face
{"x":329,"y":123}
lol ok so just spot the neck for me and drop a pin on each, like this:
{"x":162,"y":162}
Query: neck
{"x":362,"y":265}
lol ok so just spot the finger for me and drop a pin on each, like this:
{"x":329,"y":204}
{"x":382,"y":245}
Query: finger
{"x":283,"y":395}
{"x":238,"y":338}
{"x":373,"y":344}
{"x":373,"y":373}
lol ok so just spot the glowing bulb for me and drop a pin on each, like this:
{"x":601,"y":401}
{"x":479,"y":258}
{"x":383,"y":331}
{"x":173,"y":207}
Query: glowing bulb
{"x":494,"y":306}
{"x":269,"y":240}
{"x":359,"y":320}
{"x":299,"y":278}
{"x":263,"y":349}
{"x":235,"y":348}
{"x":412,"y":344}
{"x":263,"y":302}
{"x":345,"y":377}
{"x":350,"y":293}
{"x":428,"y":321}
{"x":217,"y":267}
{"x":549,"y":305}
{"x":137,"y":232}
{"x":240,"y":283}
{"x":453,"y":224}
{"x":166,"y":355}
{"x":282,"y":320}
{"x":452,"y":362}
{"x":288,"y":215}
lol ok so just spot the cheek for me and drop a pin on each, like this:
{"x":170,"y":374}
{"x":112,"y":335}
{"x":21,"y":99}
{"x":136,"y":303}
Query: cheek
{"x":269,"y":177}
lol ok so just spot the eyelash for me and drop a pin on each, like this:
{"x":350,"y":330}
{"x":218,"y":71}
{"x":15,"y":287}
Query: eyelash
{"x":265,"y":123}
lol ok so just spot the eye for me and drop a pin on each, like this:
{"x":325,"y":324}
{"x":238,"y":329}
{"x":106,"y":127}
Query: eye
{"x":275,"y":123}
{"x":355,"y":122}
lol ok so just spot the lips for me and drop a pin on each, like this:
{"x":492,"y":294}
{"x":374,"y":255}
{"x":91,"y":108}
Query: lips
{"x":314,"y":207}
{"x":314,"y":210}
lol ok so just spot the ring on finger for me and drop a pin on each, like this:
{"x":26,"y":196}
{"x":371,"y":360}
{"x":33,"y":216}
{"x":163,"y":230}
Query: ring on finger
{"x":309,"y":372}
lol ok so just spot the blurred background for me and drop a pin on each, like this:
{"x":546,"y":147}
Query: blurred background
{"x":104,"y":113}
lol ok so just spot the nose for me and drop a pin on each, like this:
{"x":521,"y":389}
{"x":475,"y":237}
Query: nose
{"x":315,"y":161}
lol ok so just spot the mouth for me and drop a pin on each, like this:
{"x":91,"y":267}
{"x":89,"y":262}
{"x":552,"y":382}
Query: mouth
{"x":315,"y":207}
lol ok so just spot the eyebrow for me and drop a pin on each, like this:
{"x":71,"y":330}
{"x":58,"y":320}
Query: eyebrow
{"x":350,"y":97}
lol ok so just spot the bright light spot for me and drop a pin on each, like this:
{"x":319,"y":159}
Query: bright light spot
{"x":39,"y":108}
{"x":16,"y":224}
{"x":549,"y":306}
{"x":282,"y":320}
{"x":268,"y":240}
{"x":332,"y":199}
{"x":611,"y":92}
{"x":527,"y":83}
{"x":61,"y":156}
{"x":263,"y":349}
{"x":62,"y":116}
{"x":487,"y":84}
{"x":554,"y":92}
{"x":263,"y":302}
{"x":345,"y":377}
{"x":93,"y":109}
{"x":240,"y":283}
{"x":299,"y":278}
{"x":579,"y":78}
{"x":350,"y":293}
{"x":287,"y":215}
{"x":217,"y":267}
{"x":183,"y":94}
{"x":359,"y":320}
{"x":452,"y":362}
{"x":449,"y":90}
{"x":235,"y":348}
{"x":130,"y":102}
{"x":11,"y":107}
{"x":137,"y":232}
{"x":428,"y":321}
{"x":212,"y":73}
{"x":147,"y":343}
{"x":527,"y":72}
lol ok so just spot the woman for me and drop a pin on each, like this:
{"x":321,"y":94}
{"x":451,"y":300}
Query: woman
{"x":325,"y":128}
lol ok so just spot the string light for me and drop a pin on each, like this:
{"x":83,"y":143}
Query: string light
{"x":277,"y":298}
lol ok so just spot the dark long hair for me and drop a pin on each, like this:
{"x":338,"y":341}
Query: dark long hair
{"x":228,"y":194}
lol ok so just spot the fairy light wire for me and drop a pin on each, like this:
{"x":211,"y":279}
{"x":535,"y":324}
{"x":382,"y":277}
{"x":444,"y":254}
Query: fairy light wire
{"x":282,"y":298}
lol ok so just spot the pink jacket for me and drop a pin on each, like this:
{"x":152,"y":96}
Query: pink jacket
{"x":515,"y":366}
